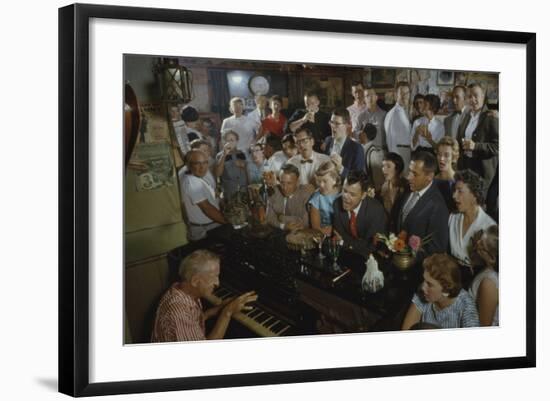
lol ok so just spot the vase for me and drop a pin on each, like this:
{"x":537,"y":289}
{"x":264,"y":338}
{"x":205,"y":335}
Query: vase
{"x":403,"y":260}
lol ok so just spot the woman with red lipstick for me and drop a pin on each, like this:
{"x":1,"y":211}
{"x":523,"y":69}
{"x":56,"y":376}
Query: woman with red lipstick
{"x":469,"y":219}
{"x":394,"y":183}
{"x":447,"y":155}
{"x":441,"y":301}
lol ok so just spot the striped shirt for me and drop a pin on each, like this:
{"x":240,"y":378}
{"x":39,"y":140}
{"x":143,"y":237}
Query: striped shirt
{"x":461,"y":313}
{"x":179,"y":318}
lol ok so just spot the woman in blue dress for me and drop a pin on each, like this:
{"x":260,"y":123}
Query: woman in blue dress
{"x":321,"y":210}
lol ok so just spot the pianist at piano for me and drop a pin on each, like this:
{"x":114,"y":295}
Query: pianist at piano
{"x":180,"y":315}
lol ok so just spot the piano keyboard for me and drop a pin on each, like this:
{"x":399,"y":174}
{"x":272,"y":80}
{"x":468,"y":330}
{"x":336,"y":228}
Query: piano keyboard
{"x":259,"y":321}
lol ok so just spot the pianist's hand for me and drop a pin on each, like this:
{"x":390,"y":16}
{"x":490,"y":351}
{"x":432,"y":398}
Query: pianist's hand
{"x":240,"y":303}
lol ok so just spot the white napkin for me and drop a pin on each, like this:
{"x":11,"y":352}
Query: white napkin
{"x":373,"y":279}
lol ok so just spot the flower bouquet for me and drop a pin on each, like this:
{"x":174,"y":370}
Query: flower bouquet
{"x":403,"y":247}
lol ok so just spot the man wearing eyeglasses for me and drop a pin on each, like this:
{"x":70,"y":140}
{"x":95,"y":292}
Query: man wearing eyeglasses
{"x":344,"y":152}
{"x":307,"y":161}
{"x":198,"y":194}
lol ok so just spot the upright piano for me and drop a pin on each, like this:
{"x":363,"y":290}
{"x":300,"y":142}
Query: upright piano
{"x":299,"y":293}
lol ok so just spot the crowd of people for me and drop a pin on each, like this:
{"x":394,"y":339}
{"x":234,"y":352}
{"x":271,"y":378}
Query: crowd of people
{"x":359,"y":171}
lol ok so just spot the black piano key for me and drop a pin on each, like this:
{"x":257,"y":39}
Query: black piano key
{"x":269,"y":321}
{"x":264,"y":322}
{"x":277,"y":327}
{"x":256,"y":313}
{"x":262,"y":318}
{"x":249,"y":312}
{"x":273,"y":323}
{"x":283,"y":330}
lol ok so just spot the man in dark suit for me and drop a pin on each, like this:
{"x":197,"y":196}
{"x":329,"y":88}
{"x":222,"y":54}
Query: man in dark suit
{"x":478,"y":137}
{"x":452,"y":121}
{"x":357,"y":217}
{"x":423,"y":211}
{"x":347,"y":154}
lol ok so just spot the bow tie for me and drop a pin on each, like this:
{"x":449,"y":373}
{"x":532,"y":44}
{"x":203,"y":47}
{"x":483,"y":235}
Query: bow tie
{"x":306,"y":161}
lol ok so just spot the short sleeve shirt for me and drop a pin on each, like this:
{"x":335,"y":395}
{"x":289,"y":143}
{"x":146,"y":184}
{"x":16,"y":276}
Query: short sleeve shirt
{"x":461,"y":313}
{"x":179,"y":317}
{"x":324,"y":203}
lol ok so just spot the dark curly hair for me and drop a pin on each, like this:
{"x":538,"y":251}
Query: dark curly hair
{"x":397,"y":160}
{"x":357,"y":176}
{"x":473,"y":181}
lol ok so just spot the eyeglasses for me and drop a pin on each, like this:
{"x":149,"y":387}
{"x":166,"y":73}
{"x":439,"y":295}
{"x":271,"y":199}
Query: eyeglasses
{"x":302,"y":140}
{"x":337,"y":123}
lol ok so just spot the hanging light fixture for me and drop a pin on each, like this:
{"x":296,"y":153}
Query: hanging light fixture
{"x":176,"y":81}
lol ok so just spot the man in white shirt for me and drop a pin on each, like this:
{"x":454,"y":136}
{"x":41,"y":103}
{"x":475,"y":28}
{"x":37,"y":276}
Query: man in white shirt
{"x":259,"y":113}
{"x":307,"y":160}
{"x":358,"y":106}
{"x":186,"y":129}
{"x":279,"y":158}
{"x":240,"y":124}
{"x":427,"y":130}
{"x":398,"y":125}
{"x":452,"y":121}
{"x":198,"y":194}
{"x":373,"y":115}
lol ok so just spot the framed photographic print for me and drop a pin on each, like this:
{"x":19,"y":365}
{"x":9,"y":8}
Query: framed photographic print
{"x":135,"y":106}
{"x":383,"y":77}
{"x":460,"y":78}
{"x":445,"y":77}
{"x":402,"y":75}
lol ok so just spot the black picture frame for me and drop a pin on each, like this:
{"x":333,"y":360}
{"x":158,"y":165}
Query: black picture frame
{"x":74,"y":194}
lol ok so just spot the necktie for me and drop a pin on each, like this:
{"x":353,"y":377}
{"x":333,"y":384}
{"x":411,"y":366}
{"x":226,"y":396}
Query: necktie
{"x":306,"y":161}
{"x":336,"y":148}
{"x":353,"y":224}
{"x":409,"y":205}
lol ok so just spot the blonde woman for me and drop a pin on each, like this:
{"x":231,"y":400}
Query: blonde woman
{"x":321,"y":202}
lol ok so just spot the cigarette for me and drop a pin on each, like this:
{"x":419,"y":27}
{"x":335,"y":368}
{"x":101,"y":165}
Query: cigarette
{"x":335,"y":279}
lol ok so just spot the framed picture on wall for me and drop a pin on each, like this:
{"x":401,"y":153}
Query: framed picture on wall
{"x":460,"y":78}
{"x":445,"y":77}
{"x":94,"y":359}
{"x":383,"y":77}
{"x":402,"y":75}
